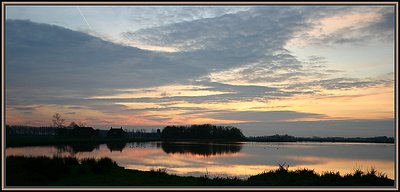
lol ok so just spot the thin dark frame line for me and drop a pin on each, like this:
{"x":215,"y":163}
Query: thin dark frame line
{"x":75,"y":3}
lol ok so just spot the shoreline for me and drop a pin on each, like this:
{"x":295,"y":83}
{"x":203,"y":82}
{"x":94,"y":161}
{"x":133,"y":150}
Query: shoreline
{"x":18,"y":141}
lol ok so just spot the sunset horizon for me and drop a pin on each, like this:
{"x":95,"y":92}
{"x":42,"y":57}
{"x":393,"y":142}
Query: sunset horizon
{"x":204,"y":64}
{"x":245,"y":95}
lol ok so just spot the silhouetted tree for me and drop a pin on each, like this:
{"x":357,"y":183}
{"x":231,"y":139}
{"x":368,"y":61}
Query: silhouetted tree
{"x":58,"y":121}
{"x":205,"y":131}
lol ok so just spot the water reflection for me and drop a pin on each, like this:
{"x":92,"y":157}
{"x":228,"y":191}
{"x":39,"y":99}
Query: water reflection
{"x":116,"y":146}
{"x":203,"y":149}
{"x":76,"y":148}
{"x":235,"y":159}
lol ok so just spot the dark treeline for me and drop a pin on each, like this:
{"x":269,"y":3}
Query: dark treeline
{"x":15,"y":134}
{"x":74,"y":132}
{"x":12,"y":130}
{"x":142,"y":133}
{"x":288,"y":138}
{"x":206,"y":131}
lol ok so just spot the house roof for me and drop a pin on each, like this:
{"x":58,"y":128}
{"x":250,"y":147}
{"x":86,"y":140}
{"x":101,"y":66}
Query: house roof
{"x":116,"y":130}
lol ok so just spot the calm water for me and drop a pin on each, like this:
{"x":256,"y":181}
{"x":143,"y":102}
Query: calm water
{"x":239,"y":159}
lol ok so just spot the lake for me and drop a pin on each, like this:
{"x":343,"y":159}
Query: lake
{"x":230,"y":159}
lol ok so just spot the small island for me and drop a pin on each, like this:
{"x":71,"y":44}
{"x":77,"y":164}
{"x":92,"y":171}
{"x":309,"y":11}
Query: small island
{"x":206,"y":131}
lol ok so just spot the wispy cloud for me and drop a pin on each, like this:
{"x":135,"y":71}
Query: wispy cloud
{"x":352,"y":26}
{"x":267,"y":116}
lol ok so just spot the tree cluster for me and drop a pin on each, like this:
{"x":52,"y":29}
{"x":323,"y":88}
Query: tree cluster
{"x":205,"y":131}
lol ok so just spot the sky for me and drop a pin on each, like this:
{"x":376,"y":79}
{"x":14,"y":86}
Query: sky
{"x":298,"y":70}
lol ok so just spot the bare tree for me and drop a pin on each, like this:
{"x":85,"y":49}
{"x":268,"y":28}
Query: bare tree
{"x":57,"y":120}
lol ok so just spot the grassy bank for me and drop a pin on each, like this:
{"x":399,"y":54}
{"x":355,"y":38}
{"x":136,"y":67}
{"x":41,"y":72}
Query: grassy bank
{"x":45,"y":171}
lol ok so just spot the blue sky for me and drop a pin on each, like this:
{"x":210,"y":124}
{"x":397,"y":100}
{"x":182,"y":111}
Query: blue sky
{"x":300,"y":70}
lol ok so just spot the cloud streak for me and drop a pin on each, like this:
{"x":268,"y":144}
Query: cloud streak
{"x":83,"y":17}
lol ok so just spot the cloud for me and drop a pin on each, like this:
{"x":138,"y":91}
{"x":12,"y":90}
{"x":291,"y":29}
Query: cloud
{"x":265,"y":116}
{"x":249,"y":44}
{"x":109,"y":21}
{"x":24,"y":108}
{"x":67,"y":64}
{"x":342,"y":83}
{"x":259,"y":30}
{"x":354,"y":26}
{"x":226,"y":41}
{"x":241,"y":91}
{"x":347,"y":83}
{"x":77,"y":107}
{"x":165,"y":15}
{"x":277,"y":69}
{"x":306,"y":77}
{"x":234,"y":93}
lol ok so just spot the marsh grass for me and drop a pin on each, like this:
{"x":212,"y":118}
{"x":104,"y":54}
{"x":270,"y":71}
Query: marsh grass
{"x":306,"y":177}
{"x":161,"y":171}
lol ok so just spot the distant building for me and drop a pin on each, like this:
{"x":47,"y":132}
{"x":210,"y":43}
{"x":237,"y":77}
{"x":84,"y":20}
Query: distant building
{"x":116,"y":132}
{"x":83,"y":131}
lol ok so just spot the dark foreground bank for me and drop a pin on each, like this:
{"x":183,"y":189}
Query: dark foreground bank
{"x":68,"y":171}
